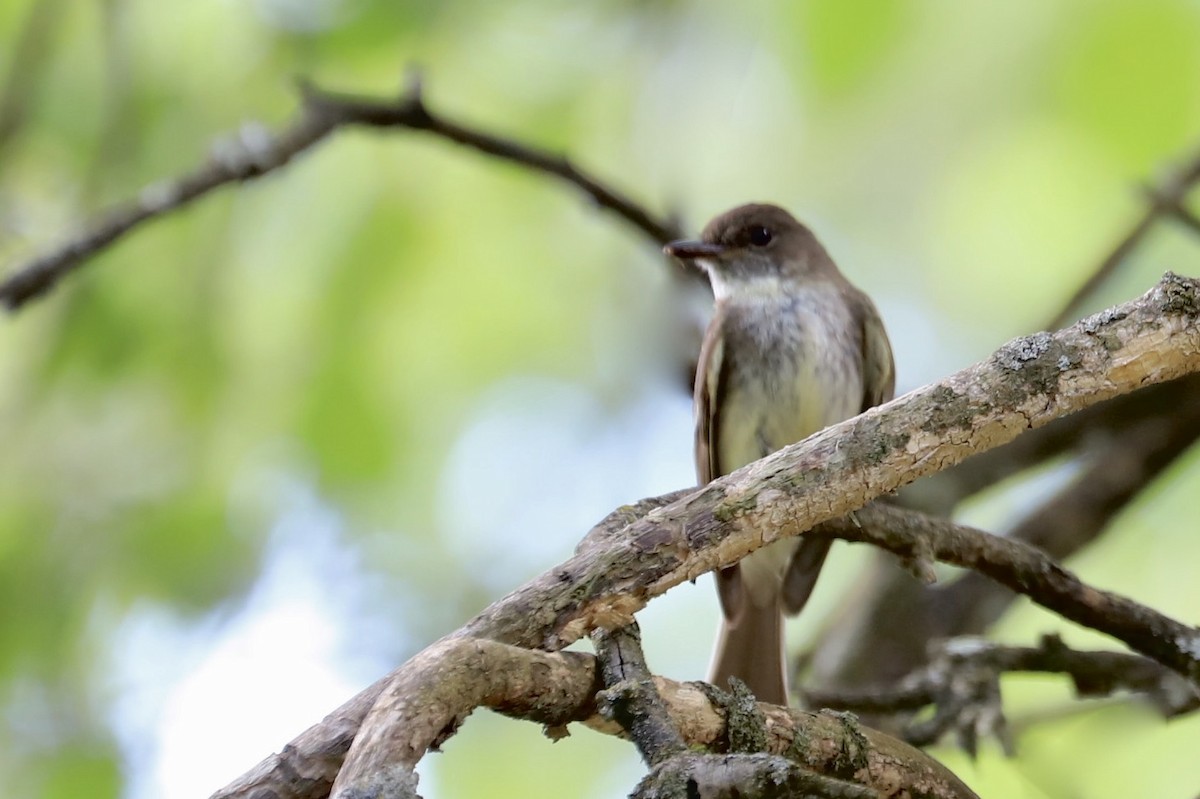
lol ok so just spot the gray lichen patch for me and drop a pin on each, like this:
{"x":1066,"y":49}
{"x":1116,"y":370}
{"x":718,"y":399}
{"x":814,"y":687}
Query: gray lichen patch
{"x":1019,"y":352}
{"x":1035,"y":363}
{"x":1191,"y":644}
{"x":1178,"y":295}
{"x":745,"y":725}
{"x":799,"y":749}
{"x":853,"y":748}
{"x":1096,"y":325}
{"x":1093,"y":324}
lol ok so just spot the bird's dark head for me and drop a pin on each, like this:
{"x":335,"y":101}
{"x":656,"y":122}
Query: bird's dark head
{"x":754,"y":245}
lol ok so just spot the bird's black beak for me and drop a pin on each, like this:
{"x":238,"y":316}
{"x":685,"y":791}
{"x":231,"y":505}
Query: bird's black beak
{"x":691,"y":250}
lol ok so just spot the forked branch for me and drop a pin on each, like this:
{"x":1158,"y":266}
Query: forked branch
{"x":639,"y":553}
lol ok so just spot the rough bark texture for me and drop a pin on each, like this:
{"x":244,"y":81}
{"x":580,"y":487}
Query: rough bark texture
{"x":630,"y":697}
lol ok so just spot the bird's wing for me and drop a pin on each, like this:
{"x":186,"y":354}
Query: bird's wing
{"x":879,"y":384}
{"x":711,"y":374}
{"x":879,"y":368}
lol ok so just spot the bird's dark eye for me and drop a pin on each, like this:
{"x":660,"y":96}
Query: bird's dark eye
{"x":759,"y":236}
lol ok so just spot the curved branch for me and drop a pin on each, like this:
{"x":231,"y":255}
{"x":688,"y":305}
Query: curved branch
{"x":254,"y":151}
{"x":557,"y":688}
{"x":1028,"y":571}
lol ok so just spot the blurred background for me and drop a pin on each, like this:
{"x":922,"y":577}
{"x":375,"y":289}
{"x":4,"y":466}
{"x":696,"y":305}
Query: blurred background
{"x":264,"y":450}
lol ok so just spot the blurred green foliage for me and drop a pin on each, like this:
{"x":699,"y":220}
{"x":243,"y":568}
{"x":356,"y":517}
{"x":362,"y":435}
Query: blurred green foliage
{"x":967,"y":163}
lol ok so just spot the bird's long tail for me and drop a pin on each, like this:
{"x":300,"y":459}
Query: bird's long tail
{"x":750,"y":647}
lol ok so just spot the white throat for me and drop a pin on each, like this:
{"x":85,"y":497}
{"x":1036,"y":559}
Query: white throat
{"x":761,"y":285}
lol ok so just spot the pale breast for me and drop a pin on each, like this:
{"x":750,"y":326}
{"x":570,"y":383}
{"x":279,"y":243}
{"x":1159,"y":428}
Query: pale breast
{"x":794,"y":366}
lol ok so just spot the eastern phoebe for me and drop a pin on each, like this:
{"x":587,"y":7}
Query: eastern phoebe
{"x":791,"y":349}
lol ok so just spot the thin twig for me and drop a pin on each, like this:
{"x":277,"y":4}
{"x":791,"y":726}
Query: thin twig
{"x":962,"y":680}
{"x":254,"y":152}
{"x":1166,"y":201}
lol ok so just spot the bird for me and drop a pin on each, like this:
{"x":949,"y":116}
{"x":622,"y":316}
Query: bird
{"x":792,"y":348}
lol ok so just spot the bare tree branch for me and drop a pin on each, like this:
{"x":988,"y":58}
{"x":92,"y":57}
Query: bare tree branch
{"x":941,"y":493}
{"x":1029,"y":571}
{"x":757,"y":776}
{"x":962,"y":679}
{"x":1116,"y":473}
{"x":254,"y":151}
{"x":1029,"y":382}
